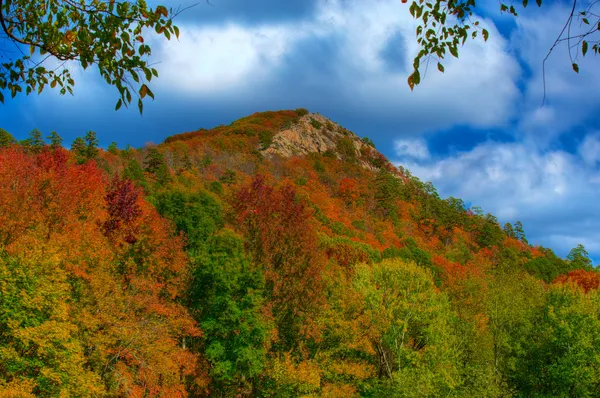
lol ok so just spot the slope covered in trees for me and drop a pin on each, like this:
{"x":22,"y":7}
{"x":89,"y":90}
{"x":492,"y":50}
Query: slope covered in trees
{"x":220,"y":263}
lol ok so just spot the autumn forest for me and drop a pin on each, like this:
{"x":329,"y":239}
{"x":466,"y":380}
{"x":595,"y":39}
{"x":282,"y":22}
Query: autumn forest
{"x":278,"y":256}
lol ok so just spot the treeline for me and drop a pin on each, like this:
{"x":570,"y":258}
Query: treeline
{"x":200,"y":268}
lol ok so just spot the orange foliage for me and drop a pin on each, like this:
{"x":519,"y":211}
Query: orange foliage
{"x":126,"y":267}
{"x":588,"y":280}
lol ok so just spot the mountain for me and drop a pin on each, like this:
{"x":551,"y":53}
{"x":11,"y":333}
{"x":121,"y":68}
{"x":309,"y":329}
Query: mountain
{"x":281,"y":255}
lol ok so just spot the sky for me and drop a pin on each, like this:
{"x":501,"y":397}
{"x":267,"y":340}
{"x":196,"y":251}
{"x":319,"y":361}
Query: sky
{"x":478,"y":131}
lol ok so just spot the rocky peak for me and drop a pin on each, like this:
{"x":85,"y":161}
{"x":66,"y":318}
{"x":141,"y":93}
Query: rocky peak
{"x":314,"y":133}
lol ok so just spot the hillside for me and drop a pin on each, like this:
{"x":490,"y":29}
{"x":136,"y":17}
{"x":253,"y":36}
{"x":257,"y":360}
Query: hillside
{"x":281,"y":255}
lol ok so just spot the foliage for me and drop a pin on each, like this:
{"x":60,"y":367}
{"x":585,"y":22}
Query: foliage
{"x":6,"y":138}
{"x":444,"y":25}
{"x":213,"y":271}
{"x":108,"y":35}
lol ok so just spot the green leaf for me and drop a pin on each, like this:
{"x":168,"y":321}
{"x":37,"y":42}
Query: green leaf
{"x":1,"y":97}
{"x":119,"y":104}
{"x":176,"y":30}
{"x":140,"y":106}
{"x":485,"y":34}
{"x":539,"y":2}
{"x":584,"y":47}
{"x":440,"y":67}
{"x":576,"y":68}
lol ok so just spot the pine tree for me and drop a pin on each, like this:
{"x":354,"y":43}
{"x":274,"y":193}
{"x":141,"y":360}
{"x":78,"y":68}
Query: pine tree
{"x":6,"y":138}
{"x":519,"y":232}
{"x":55,"y":140}
{"x":91,"y":148}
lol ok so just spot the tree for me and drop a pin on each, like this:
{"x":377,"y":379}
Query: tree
{"x":6,"y":138}
{"x":35,"y":142}
{"x":78,"y":148}
{"x":226,"y":299}
{"x":112,"y":148}
{"x":55,"y":140}
{"x":579,"y":258}
{"x":508,"y":230}
{"x":91,"y":145}
{"x":108,"y":35}
{"x":446,"y":24}
{"x":520,"y":232}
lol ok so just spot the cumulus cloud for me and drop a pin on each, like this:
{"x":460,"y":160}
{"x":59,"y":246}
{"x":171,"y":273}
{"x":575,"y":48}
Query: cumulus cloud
{"x":372,"y":49}
{"x":554,"y":193}
{"x":571,"y":98}
{"x":412,"y":149}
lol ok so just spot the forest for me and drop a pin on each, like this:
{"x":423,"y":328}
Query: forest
{"x":222,"y":263}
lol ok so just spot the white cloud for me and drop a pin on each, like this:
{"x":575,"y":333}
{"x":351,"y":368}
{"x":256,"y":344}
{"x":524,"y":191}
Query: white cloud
{"x":478,"y":90}
{"x":554,"y":193}
{"x":589,"y":149}
{"x":412,"y":148}
{"x":571,"y":98}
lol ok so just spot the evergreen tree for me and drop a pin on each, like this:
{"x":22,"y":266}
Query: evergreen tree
{"x":35,"y":142}
{"x":519,"y":232}
{"x":579,"y":258}
{"x":112,"y":148}
{"x":55,"y":140}
{"x":78,"y":147}
{"x":6,"y":138}
{"x":91,"y":147}
{"x":508,"y":230}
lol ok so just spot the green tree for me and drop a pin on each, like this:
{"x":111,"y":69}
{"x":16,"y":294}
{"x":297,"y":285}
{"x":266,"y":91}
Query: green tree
{"x":563,"y":358}
{"x":107,"y":35}
{"x":55,"y":140}
{"x":226,"y":299}
{"x":78,"y":147}
{"x":154,"y":163}
{"x":579,"y":258}
{"x":414,"y":333}
{"x":445,"y":25}
{"x":91,"y":145}
{"x":112,"y":148}
{"x":35,"y":142}
{"x":520,"y":232}
{"x":6,"y":138}
{"x":508,"y":230}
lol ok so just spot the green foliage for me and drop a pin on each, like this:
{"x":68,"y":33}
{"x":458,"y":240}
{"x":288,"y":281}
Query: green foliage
{"x":197,"y":215}
{"x":35,"y":142}
{"x":229,"y":177}
{"x":107,"y":35}
{"x":444,"y":26}
{"x":78,"y":147}
{"x":315,"y":123}
{"x":154,"y":163}
{"x":547,"y":267}
{"x":265,"y":138}
{"x":563,"y":359}
{"x":417,"y":331}
{"x":579,"y":258}
{"x":6,"y":138}
{"x":368,"y":142}
{"x":226,"y":299}
{"x":55,"y":140}
{"x":301,"y":112}
{"x":112,"y":148}
{"x":345,"y":147}
{"x":388,"y":189}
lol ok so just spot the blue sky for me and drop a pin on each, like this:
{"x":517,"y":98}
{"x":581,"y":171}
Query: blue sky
{"x":477,"y":131}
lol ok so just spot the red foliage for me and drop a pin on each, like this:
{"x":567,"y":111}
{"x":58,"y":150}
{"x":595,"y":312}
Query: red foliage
{"x":122,"y":206}
{"x":588,"y":280}
{"x":280,"y":236}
